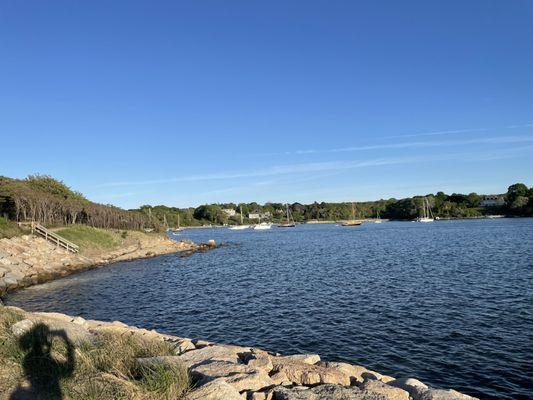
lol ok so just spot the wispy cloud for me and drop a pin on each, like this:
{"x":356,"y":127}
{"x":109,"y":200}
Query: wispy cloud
{"x":327,"y":166}
{"x":519,"y":126}
{"x":418,"y":144}
{"x":439,"y":133}
{"x":265,"y":172}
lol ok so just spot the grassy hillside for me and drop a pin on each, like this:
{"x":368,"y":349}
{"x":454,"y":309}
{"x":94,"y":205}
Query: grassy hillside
{"x":96,"y":241}
{"x":9,"y":229}
{"x":91,"y":239}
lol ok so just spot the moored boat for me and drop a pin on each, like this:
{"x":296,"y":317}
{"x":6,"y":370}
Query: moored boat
{"x":241,"y":226}
{"x":427,"y":214}
{"x":289,"y":223}
{"x":262,"y":226}
{"x":353,"y":221}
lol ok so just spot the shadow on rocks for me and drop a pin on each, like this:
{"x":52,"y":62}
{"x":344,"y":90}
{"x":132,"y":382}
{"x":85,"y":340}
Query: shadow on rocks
{"x":44,"y":370}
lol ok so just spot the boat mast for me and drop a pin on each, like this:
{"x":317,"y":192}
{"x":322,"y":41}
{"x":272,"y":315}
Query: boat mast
{"x":242,"y":221}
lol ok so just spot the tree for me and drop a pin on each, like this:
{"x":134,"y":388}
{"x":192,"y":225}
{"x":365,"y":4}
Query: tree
{"x":515,"y":191}
{"x":473,"y":199}
{"x":211,"y":213}
{"x":519,"y":203}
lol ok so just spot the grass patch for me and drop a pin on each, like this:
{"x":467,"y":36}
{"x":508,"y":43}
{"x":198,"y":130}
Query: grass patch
{"x":165,"y":381}
{"x":90,"y":239}
{"x":9,"y":229}
{"x":9,"y":348}
{"x":43,"y":363}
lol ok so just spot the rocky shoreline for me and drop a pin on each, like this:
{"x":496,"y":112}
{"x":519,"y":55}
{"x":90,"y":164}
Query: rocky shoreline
{"x":228,"y":372}
{"x":29,"y":260}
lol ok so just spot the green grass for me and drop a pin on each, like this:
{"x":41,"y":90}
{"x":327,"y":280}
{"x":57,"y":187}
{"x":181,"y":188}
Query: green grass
{"x":164,"y":381}
{"x":8,"y":345}
{"x":90,"y":239}
{"x":9,"y":229}
{"x":103,"y":369}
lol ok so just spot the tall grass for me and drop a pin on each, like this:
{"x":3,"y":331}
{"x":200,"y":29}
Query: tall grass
{"x":9,"y":229}
{"x":102,"y":369}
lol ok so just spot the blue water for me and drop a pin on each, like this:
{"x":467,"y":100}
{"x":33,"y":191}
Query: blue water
{"x":449,"y":302}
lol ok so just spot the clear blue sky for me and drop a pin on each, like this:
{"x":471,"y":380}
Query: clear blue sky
{"x":188,"y":102}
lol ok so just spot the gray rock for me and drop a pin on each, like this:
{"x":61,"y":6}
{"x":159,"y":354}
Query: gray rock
{"x":301,"y":373}
{"x":214,"y":353}
{"x":439,"y":394}
{"x":239,"y":376}
{"x":324,"y":392}
{"x":310,"y":359}
{"x":215,"y":390}
{"x":9,"y":281}
{"x":78,"y":321}
{"x":420,"y":391}
{"x":183,"y":346}
{"x":388,"y":392}
{"x":76,"y":334}
{"x":414,"y":387}
{"x":355,"y":372}
{"x":20,"y":328}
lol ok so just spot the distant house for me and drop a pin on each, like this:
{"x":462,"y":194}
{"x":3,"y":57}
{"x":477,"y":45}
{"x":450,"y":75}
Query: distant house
{"x":492,"y":201}
{"x":230,"y":212}
{"x":259,"y":215}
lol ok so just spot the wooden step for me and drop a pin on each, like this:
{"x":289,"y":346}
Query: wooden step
{"x":54,"y":238}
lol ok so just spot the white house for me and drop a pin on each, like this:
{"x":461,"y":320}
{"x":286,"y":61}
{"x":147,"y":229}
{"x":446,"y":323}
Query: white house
{"x":259,"y":215}
{"x":492,"y":201}
{"x":230,"y":212}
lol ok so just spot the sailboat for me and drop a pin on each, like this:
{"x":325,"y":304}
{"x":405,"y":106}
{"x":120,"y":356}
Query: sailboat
{"x":427,"y":215}
{"x":288,"y":223}
{"x":353,"y":221}
{"x":261,"y":226}
{"x":378,"y":220}
{"x":241,"y":226}
{"x":175,"y":230}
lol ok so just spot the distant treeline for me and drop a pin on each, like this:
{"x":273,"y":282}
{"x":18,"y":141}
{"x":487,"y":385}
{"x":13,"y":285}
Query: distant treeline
{"x":518,"y":201}
{"x":49,"y":201}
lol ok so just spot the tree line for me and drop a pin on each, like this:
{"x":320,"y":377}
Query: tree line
{"x":50,"y":202}
{"x":518,"y":201}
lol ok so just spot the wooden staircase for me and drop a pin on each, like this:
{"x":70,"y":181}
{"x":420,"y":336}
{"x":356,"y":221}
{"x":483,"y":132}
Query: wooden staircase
{"x":54,"y":238}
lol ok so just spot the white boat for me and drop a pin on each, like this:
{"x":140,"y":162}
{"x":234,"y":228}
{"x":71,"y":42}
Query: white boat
{"x":378,"y":220}
{"x":262,"y":226}
{"x":238,"y":227}
{"x":427,"y":214}
{"x":241,"y":226}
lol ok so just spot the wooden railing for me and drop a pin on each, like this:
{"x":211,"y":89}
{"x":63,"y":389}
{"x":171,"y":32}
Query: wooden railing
{"x":53,"y":237}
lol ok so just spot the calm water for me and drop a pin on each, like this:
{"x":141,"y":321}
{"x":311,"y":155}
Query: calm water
{"x":449,"y":303}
